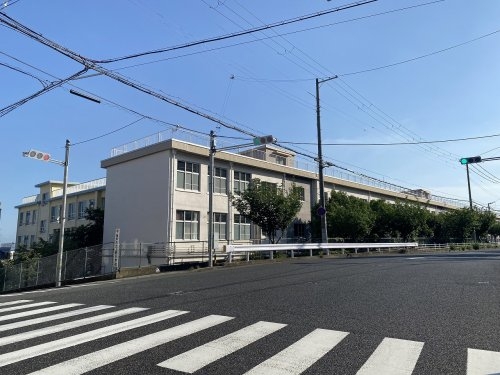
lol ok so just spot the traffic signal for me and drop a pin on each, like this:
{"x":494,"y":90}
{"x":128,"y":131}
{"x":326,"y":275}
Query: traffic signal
{"x":39,"y":155}
{"x":257,"y":141}
{"x":470,"y":160}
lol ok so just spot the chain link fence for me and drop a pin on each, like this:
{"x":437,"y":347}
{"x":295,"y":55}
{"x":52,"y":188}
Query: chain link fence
{"x":77,"y":264}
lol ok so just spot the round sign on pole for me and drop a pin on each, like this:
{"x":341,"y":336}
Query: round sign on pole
{"x":321,"y":211}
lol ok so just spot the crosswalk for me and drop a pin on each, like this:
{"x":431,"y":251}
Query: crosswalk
{"x":31,"y":330}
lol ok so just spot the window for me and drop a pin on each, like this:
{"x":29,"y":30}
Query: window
{"x":220,"y":226}
{"x":43,"y":226}
{"x":188,"y":176}
{"x":71,"y":211}
{"x":33,"y":218}
{"x":241,"y":181}
{"x":28,"y":218}
{"x":32,"y":239}
{"x":186,"y":225}
{"x":81,"y":209}
{"x":220,"y":181}
{"x":280,"y":160}
{"x":45,"y":198}
{"x":21,"y":217}
{"x":54,"y":213}
{"x":19,"y":240}
{"x":241,"y":227}
{"x":269,"y":186}
{"x":26,"y":240}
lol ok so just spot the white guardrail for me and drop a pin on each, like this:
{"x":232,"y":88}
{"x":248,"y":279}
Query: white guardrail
{"x":231,"y":250}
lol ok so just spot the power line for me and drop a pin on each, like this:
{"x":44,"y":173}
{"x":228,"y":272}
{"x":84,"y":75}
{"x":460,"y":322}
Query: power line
{"x":236,"y":34}
{"x":395,"y":143}
{"x":44,"y":84}
{"x":47,"y":88}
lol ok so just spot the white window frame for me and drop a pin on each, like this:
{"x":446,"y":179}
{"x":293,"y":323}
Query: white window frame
{"x":188,"y":175}
{"x":241,"y":227}
{"x":241,"y":180}
{"x":187,"y":225}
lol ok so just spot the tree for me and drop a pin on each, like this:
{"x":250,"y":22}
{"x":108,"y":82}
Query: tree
{"x":410,"y":220}
{"x":494,"y":230}
{"x":486,"y":219}
{"x":459,"y":225}
{"x":384,"y":214}
{"x":349,"y":217}
{"x":271,"y":208}
{"x":88,"y":234}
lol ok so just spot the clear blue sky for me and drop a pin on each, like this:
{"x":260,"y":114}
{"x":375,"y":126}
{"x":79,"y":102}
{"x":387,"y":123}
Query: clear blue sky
{"x":448,"y":95}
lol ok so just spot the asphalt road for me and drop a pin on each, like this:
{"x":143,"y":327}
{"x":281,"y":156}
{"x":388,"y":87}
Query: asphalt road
{"x":375,"y":315}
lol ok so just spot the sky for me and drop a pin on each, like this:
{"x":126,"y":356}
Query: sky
{"x":408,"y":71}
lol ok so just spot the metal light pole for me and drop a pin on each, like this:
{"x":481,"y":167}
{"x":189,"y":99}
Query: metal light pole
{"x":321,"y":165}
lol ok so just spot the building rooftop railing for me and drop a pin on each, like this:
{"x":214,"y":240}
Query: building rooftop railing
{"x":299,"y":163}
{"x":89,"y":185}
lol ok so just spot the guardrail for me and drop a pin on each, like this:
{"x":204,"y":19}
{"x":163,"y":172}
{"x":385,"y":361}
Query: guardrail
{"x":231,"y":250}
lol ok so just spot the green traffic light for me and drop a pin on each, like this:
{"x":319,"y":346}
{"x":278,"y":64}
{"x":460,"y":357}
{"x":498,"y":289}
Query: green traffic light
{"x":464,"y":161}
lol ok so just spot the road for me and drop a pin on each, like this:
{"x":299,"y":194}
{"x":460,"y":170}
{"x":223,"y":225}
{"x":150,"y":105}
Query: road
{"x":369,"y":315}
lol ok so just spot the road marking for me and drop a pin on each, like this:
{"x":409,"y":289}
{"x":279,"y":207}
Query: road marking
{"x":49,"y":318}
{"x":66,"y":326}
{"x":13,"y":308}
{"x":301,"y":355}
{"x":92,"y":361}
{"x":393,"y":357}
{"x":52,"y":346}
{"x":197,"y":358}
{"x":37,"y":312}
{"x":15,"y":302}
{"x":480,"y":362}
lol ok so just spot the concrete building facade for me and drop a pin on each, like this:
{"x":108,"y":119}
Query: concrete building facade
{"x":39,"y":214}
{"x":159,"y":192}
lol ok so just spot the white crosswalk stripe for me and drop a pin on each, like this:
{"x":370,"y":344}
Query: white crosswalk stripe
{"x":103,"y":357}
{"x":299,"y":356}
{"x":15,"y":302}
{"x":481,"y":362}
{"x":392,"y":356}
{"x":37,"y":311}
{"x":35,"y":351}
{"x":22,"y":307}
{"x":66,"y":326}
{"x":49,"y":318}
{"x":198,"y":358}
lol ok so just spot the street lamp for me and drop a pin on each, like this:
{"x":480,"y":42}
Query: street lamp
{"x":43,"y":156}
{"x":321,"y":165}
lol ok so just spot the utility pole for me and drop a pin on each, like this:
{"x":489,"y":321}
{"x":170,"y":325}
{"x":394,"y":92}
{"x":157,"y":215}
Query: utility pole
{"x":62,"y":217}
{"x":44,"y":156}
{"x":211,"y":199}
{"x":321,"y":165}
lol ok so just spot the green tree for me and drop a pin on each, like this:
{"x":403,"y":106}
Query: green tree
{"x":349,"y":217}
{"x":383,"y":217}
{"x":86,"y":235}
{"x":459,"y":225}
{"x":485,"y":220}
{"x":272,"y":209}
{"x":494,"y":230}
{"x":410,"y":221}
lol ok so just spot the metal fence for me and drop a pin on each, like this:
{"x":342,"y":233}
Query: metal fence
{"x":143,"y":254}
{"x":77,"y":264}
